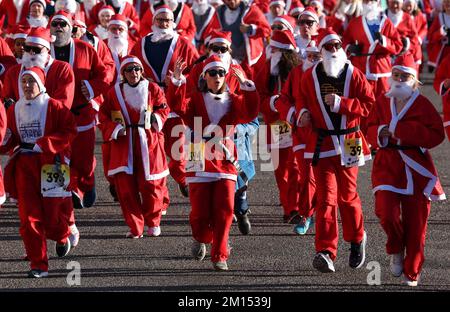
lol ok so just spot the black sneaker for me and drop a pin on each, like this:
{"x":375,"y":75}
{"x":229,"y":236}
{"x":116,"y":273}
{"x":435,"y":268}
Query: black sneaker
{"x":184,"y":190}
{"x":76,"y":201}
{"x":63,"y":250}
{"x":37,"y":273}
{"x":323,"y":263}
{"x":89,"y":198}
{"x":243,"y":223}
{"x":358,"y":253}
{"x":113,"y":192}
{"x":294,"y":218}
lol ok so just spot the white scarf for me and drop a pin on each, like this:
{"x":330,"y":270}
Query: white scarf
{"x":137,"y":97}
{"x":31,"y":116}
{"x":395,"y":18}
{"x":217,"y":105}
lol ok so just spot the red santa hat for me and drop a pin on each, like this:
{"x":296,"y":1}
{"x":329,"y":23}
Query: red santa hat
{"x":286,"y":20}
{"x":162,"y":9}
{"x":213,"y":61}
{"x":20,"y":32}
{"x":312,"y":47}
{"x":325,"y":35}
{"x":42,"y":2}
{"x":406,"y":64}
{"x":317,"y":3}
{"x":310,"y":11}
{"x":277,"y":2}
{"x":63,"y":15}
{"x":118,"y":19}
{"x":216,"y":36}
{"x":40,"y":35}
{"x":296,"y":9}
{"x":130,"y":59}
{"x":106,"y":8}
{"x":38,"y":74}
{"x":79,"y":23}
{"x":283,"y":39}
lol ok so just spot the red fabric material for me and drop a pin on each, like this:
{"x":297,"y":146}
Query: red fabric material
{"x":83,"y":163}
{"x":436,"y":48}
{"x":177,"y":161}
{"x":306,"y":187}
{"x":126,"y":10}
{"x":7,"y":58}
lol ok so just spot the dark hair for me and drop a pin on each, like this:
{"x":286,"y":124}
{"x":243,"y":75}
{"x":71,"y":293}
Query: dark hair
{"x":289,"y":60}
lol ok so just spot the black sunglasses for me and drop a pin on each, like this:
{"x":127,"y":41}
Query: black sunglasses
{"x":132,"y":68}
{"x":307,"y":22}
{"x":329,"y":46}
{"x":36,"y":50}
{"x":277,"y":27}
{"x":215,"y":72}
{"x":61,"y":23}
{"x":219,"y":49}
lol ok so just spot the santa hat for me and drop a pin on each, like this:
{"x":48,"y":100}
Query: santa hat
{"x":219,"y":2}
{"x":277,"y":2}
{"x":79,"y":23}
{"x":118,"y":19}
{"x":310,"y":11}
{"x":317,"y":3}
{"x":130,"y":59}
{"x":406,"y":64}
{"x":216,"y":36}
{"x":40,"y":35}
{"x":296,"y":9}
{"x":213,"y":61}
{"x":162,"y":9}
{"x":283,"y":39}
{"x":312,"y":47}
{"x":286,"y":20}
{"x":63,"y":15}
{"x":42,"y":2}
{"x":38,"y":74}
{"x":412,"y":1}
{"x":20,"y":32}
{"x":106,"y":8}
{"x":325,"y":35}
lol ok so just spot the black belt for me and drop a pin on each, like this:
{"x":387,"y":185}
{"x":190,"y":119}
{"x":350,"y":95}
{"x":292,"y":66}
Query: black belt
{"x":135,"y":126}
{"x":76,"y":110}
{"x":404,"y":148}
{"x":322,"y":133}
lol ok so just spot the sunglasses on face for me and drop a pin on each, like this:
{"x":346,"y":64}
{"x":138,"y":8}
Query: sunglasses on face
{"x":397,"y":76}
{"x":36,"y":50}
{"x":307,"y":22}
{"x":277,"y":27}
{"x":62,"y":24}
{"x":218,"y":49}
{"x":331,"y":46}
{"x":215,"y":72}
{"x":133,"y":68}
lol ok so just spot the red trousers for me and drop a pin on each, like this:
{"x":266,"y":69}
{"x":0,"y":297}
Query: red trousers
{"x":306,"y":185}
{"x":141,"y":201}
{"x":212,"y":214}
{"x":404,"y":219}
{"x":83,"y":160}
{"x":336,"y":187}
{"x":287,"y":177}
{"x":41,"y":218}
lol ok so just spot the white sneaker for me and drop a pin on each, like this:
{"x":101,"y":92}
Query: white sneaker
{"x":130,"y":235}
{"x":396,"y":264}
{"x":164,"y":212}
{"x":409,"y":282}
{"x":323,"y":263}
{"x":154,"y":231}
{"x":74,"y":236}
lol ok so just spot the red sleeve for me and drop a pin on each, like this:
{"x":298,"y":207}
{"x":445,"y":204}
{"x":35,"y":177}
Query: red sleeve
{"x":245,"y":108}
{"x":99,"y":79}
{"x":362,"y":100}
{"x":3,"y":122}
{"x":434,"y":33}
{"x":442,"y":73}
{"x":146,"y":24}
{"x":107,"y":125}
{"x":105,"y":55}
{"x":7,"y":58}
{"x":10,"y":85}
{"x":66,"y":85}
{"x":159,"y":102}
{"x":189,"y":31}
{"x":373,"y":122}
{"x":256,"y":17}
{"x":392,"y":42}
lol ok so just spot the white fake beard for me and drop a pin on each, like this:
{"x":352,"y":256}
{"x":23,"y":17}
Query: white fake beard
{"x":199,"y":7}
{"x":274,"y":60}
{"x":161,"y":34}
{"x":347,"y":8}
{"x":39,"y":60}
{"x":307,"y":64}
{"x":67,"y":5}
{"x":395,"y":18}
{"x":37,"y":22}
{"x":137,"y":97}
{"x":117,"y":3}
{"x":333,"y":63}
{"x":371,"y":11}
{"x":225,"y":58}
{"x":400,"y":89}
{"x":118,"y":44}
{"x":89,"y":4}
{"x":172,"y":4}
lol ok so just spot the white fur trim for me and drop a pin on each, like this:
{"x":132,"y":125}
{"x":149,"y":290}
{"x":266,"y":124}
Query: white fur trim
{"x":19,"y":36}
{"x":117,"y":22}
{"x":159,"y":124}
{"x":273,"y":98}
{"x":280,"y":3}
{"x":314,"y":16}
{"x":385,"y":140}
{"x":298,"y":147}
{"x":290,"y":115}
{"x":213,"y":64}
{"x":219,"y":40}
{"x":280,"y":45}
{"x":219,"y":175}
{"x":89,"y":87}
{"x":248,"y":86}
{"x":116,"y":132}
{"x":87,"y":127}
{"x":178,"y":82}
{"x":36,"y":77}
{"x":328,"y":38}
{"x":447,"y":123}
{"x":38,"y":40}
{"x":284,"y":22}
{"x":62,"y":17}
{"x":161,"y":10}
{"x":131,"y":60}
{"x":302,"y":111}
{"x":336,"y":104}
{"x":106,"y":9}
{"x":37,"y":148}
{"x":405,"y":69}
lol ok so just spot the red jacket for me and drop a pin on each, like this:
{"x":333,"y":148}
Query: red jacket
{"x":437,"y":48}
{"x":443,"y":73}
{"x":126,"y":10}
{"x":7,"y":58}
{"x":2,"y":137}
{"x":407,"y":29}
{"x":13,"y":13}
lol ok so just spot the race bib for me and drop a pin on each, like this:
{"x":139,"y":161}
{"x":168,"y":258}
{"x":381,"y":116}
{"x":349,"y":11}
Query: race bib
{"x":117,"y":116}
{"x":281,"y":134}
{"x":353,"y":152}
{"x":196,"y":157}
{"x":54,"y":180}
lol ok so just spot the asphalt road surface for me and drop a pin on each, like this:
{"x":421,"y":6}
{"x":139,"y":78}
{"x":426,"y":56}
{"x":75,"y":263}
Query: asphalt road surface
{"x":271,"y":258}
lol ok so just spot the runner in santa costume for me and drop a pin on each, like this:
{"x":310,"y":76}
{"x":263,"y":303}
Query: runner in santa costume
{"x":17,"y":41}
{"x":285,"y":104}
{"x":211,"y":169}
{"x":269,"y":82}
{"x":308,"y":26}
{"x":370,"y":40}
{"x":100,"y":29}
{"x":91,"y":80}
{"x":3,"y":123}
{"x":158,"y":52}
{"x":183,"y":19}
{"x":13,"y":11}
{"x":122,"y":7}
{"x":131,"y":119}
{"x":60,"y":80}
{"x":276,"y":8}
{"x":439,"y":36}
{"x":203,"y":13}
{"x":344,"y":11}
{"x":35,"y":16}
{"x":248,"y":28}
{"x":420,"y":19}
{"x":442,"y":85}
{"x":87,"y":7}
{"x":404,"y":125}
{"x":335,"y":95}
{"x":7,"y":58}
{"x":40,"y":130}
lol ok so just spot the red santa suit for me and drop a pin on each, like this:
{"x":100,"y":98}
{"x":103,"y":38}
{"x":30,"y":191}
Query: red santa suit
{"x":86,"y":7}
{"x":335,"y":160}
{"x":438,"y":42}
{"x":443,"y":73}
{"x":14,"y":10}
{"x":126,"y":9}
{"x":138,"y":161}
{"x":200,"y":33}
{"x":7,"y":58}
{"x":212,"y":188}
{"x":404,"y":178}
{"x":47,"y":127}
{"x":2,"y":137}
{"x":184,"y":21}
{"x":375,"y":61}
{"x":420,"y":20}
